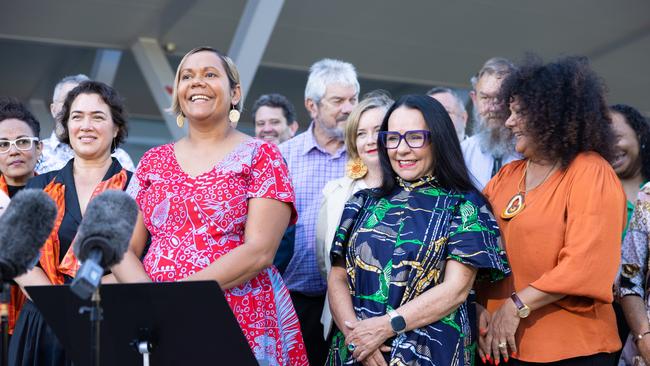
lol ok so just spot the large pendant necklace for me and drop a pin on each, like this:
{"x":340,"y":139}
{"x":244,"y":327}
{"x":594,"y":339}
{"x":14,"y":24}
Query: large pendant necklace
{"x":409,"y":186}
{"x":518,"y":202}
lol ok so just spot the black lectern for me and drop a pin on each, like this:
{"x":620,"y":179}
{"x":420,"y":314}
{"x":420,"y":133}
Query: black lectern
{"x":181,"y":323}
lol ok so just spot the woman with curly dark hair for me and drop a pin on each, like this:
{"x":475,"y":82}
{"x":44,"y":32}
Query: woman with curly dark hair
{"x":632,"y":150}
{"x":561,"y":211}
{"x":632,"y":164}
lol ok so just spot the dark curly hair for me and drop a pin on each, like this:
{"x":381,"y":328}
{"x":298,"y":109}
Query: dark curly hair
{"x":12,"y":108}
{"x":641,"y":128}
{"x":564,"y":107}
{"x":109,"y":96}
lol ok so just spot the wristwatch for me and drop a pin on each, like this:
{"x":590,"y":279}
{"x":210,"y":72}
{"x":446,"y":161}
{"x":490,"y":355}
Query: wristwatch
{"x":397,"y":322}
{"x":522,"y":309}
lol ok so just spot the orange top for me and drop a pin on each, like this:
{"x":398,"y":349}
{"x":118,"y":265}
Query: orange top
{"x":567,"y":240}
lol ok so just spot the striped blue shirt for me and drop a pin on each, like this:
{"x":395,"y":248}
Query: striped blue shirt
{"x":310,"y":167}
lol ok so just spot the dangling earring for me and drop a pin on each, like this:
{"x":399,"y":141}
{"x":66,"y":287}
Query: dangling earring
{"x":180,"y":120}
{"x":356,"y":169}
{"x":233,"y":116}
{"x":113,"y":146}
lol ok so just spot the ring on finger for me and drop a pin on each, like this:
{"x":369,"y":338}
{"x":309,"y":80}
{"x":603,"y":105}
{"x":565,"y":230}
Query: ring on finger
{"x":502,"y":345}
{"x":352,"y":347}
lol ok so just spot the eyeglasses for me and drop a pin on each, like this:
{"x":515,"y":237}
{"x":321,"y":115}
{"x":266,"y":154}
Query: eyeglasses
{"x":23,"y":143}
{"x":415,"y":139}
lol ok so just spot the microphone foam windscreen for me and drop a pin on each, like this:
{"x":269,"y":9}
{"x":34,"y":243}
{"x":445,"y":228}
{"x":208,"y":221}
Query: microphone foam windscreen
{"x":111,"y":217}
{"x":24,"y":228}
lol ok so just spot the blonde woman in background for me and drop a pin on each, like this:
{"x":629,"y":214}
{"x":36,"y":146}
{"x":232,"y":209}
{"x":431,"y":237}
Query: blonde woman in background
{"x":362,"y":171}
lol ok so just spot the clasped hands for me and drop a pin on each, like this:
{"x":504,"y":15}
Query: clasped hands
{"x":365,"y":339}
{"x":496,"y":339}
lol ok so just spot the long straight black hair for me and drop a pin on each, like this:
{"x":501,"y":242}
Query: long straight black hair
{"x":449,"y":166}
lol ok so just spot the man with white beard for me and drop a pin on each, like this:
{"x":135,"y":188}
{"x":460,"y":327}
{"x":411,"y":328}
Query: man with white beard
{"x":315,"y":157}
{"x":492,"y":144}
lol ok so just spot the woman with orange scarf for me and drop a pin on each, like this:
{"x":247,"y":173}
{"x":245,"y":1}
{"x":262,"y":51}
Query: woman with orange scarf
{"x":20,"y":151}
{"x":94,"y":125}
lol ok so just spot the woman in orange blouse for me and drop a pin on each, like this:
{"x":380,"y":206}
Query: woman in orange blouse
{"x":561,"y":211}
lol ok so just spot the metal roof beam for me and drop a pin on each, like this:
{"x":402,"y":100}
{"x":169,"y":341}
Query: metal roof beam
{"x":251,"y":38}
{"x":159,"y":77}
{"x":105,"y":65}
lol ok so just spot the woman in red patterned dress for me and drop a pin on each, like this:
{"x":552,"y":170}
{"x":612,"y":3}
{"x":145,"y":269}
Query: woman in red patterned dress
{"x":216,"y":204}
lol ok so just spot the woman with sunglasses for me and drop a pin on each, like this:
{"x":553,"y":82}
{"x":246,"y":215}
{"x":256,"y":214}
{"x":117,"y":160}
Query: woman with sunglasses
{"x":406,"y":254}
{"x":20,"y":150}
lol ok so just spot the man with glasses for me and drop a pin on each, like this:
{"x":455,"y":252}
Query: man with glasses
{"x":55,"y":153}
{"x":454,"y":106}
{"x":492,"y":144}
{"x":315,"y":157}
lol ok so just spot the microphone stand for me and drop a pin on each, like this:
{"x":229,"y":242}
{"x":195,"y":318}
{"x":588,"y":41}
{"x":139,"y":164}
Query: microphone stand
{"x":95,"y":321}
{"x":5,"y":299}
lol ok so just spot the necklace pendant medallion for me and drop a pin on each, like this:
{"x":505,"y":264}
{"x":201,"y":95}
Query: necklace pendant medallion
{"x":514,"y":206}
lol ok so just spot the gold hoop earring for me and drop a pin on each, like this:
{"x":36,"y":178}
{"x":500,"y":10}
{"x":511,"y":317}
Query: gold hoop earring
{"x":233,"y":116}
{"x":180,"y":120}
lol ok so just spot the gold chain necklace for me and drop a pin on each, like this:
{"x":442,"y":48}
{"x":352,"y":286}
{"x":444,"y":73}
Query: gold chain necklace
{"x":517,"y":202}
{"x":409,"y":186}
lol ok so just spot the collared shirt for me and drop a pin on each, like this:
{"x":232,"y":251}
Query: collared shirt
{"x":57,"y":154}
{"x":310,"y":167}
{"x":481,"y":163}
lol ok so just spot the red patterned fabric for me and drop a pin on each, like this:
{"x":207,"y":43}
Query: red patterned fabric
{"x":195,"y":220}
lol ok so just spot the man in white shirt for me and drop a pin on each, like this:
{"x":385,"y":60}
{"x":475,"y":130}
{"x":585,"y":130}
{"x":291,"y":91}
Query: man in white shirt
{"x":492,"y":144}
{"x":55,"y":153}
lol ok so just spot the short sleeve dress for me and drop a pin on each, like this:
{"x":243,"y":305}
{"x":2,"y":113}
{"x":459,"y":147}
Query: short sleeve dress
{"x":396,"y":248}
{"x":195,"y":220}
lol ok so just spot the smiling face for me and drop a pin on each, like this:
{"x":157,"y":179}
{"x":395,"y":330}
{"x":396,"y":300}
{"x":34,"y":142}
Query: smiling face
{"x":366,"y":140}
{"x":271,"y":125}
{"x":91,"y":127}
{"x":524,"y":144}
{"x":16,"y":165}
{"x":204,"y":91}
{"x":410,"y":163}
{"x":627,"y":162}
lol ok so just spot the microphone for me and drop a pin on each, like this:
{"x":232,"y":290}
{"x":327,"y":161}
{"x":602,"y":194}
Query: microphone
{"x":103,"y":238}
{"x":24,"y":227}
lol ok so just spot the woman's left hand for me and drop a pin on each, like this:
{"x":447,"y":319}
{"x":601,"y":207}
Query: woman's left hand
{"x":368,"y":335}
{"x":501,"y":331}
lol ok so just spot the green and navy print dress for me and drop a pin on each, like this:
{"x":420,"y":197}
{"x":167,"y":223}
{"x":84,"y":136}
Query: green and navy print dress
{"x":396,"y":247}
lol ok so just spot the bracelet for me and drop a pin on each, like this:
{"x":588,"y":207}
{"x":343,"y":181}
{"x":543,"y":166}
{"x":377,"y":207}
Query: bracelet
{"x":640,"y":336}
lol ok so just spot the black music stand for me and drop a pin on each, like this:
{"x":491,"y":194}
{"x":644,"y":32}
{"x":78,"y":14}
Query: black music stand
{"x":186,"y":323}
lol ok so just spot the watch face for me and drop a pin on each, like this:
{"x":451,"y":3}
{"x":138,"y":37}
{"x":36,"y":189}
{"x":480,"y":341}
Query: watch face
{"x":398,"y":324}
{"x":523,"y":312}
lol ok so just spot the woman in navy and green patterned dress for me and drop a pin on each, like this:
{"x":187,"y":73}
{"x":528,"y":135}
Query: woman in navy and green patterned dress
{"x":406,"y":254}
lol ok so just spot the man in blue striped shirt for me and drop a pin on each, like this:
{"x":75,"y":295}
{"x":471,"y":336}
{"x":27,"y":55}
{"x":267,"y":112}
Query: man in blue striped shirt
{"x":315,"y":157}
